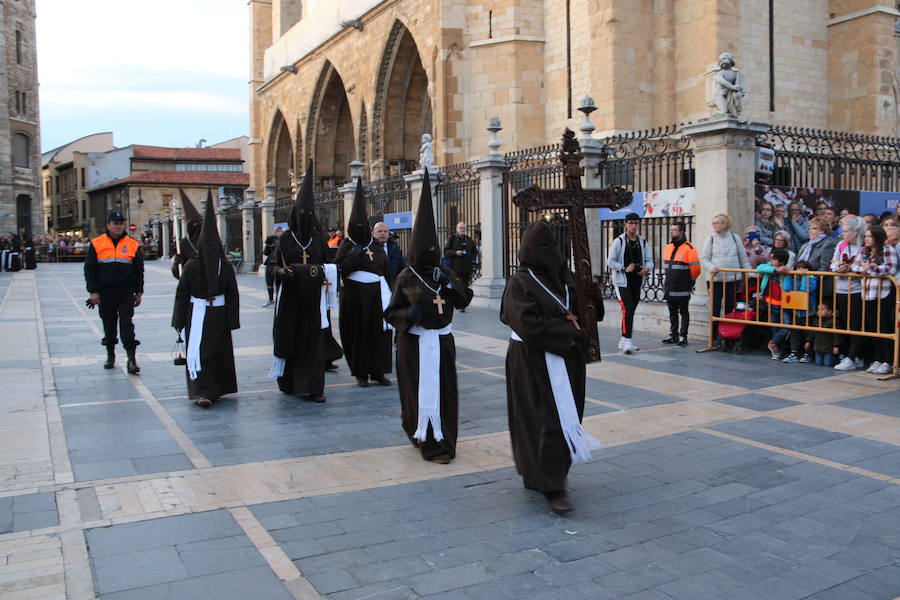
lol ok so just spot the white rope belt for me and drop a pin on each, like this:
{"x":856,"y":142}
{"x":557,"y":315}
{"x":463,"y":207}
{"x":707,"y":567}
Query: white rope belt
{"x":198,"y":315}
{"x":579,"y":441}
{"x":369,"y":277}
{"x":429,"y":381}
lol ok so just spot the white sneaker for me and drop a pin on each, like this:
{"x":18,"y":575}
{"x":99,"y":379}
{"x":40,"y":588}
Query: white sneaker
{"x":873,"y":368}
{"x":846,"y":364}
{"x":884,"y":369}
{"x":622,"y":342}
{"x":632,"y":346}
{"x":859,"y":363}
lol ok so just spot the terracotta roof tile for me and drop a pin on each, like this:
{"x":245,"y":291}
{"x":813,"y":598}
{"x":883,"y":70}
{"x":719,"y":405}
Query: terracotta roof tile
{"x":182,"y":178}
{"x":161,"y":152}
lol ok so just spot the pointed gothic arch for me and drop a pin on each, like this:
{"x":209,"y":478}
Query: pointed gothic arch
{"x":402,"y":111}
{"x":329,"y":132}
{"x":280,"y":153}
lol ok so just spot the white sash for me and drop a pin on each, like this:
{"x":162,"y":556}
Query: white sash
{"x":328,"y":299}
{"x":198,"y":315}
{"x":429,"y":381}
{"x":369,"y":277}
{"x":579,"y":441}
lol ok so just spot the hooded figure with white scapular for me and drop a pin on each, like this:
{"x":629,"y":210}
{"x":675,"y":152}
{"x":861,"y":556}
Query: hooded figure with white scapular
{"x":305,"y":290}
{"x":421,"y":310}
{"x":187,"y":244}
{"x":207,"y":310}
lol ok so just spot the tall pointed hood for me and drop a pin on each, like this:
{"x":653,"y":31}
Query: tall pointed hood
{"x":191,"y":216}
{"x":424,"y":248}
{"x":358,"y":224}
{"x":210,"y":249}
{"x":303,"y":220}
{"x":539,"y":252}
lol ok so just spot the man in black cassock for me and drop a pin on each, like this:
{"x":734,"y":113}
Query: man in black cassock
{"x":207,"y":310}
{"x":191,"y":238}
{"x":545,"y":368}
{"x":363,"y":263}
{"x":301,"y":331}
{"x":421,"y":310}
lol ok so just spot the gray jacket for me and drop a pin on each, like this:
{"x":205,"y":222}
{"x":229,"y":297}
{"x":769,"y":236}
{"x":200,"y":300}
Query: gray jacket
{"x":615,"y":260}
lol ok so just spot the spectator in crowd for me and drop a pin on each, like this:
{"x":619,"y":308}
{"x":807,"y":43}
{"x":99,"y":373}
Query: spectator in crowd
{"x":820,"y":247}
{"x":396,"y":262}
{"x":461,"y":251}
{"x":797,"y":225}
{"x":682,"y":268}
{"x":765,"y":224}
{"x":821,"y":205}
{"x":892,"y":230}
{"x":878,"y":258}
{"x":723,"y":250}
{"x":848,"y":290}
{"x":831,"y":214}
{"x":780,"y":216}
{"x":757,"y":254}
{"x":770,"y":288}
{"x":807,"y":284}
{"x":629,"y":260}
{"x":870,"y":219}
{"x":824,"y":346}
{"x":782,"y":240}
{"x":268,"y":248}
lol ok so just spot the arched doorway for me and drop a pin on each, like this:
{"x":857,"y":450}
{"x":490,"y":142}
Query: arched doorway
{"x":280,"y":156}
{"x":330,"y":130}
{"x":402,"y":106}
{"x":23,"y":216}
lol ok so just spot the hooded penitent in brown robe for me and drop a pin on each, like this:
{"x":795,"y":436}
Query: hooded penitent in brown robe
{"x":366,"y":341}
{"x":540,"y":448}
{"x":189,"y":242}
{"x":208,"y":281}
{"x":421,"y":306}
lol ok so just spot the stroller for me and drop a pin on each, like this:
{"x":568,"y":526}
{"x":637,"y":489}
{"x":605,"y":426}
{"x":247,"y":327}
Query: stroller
{"x":736,"y":337}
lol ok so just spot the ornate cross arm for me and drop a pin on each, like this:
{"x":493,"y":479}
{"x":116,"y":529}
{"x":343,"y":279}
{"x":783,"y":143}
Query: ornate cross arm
{"x":574,"y":200}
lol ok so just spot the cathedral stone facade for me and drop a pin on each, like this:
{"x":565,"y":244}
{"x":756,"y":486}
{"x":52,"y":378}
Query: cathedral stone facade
{"x":362,"y":80}
{"x":20,"y":162}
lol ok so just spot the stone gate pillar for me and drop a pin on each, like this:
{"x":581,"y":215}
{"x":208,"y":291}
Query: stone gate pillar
{"x":724,"y":164}
{"x":414,"y":182}
{"x":221,"y":222}
{"x":247,"y":231}
{"x":166,"y":236}
{"x":349,"y":191}
{"x":489,"y":287}
{"x":267,"y":211}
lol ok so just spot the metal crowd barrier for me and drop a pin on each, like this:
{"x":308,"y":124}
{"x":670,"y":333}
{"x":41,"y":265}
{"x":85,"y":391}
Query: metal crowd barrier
{"x":747,"y":291}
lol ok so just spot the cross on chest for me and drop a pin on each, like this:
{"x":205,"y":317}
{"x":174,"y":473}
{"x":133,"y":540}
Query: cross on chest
{"x":304,"y":256}
{"x":573,"y":199}
{"x":370,"y":253}
{"x":327,"y":285}
{"x":440,"y":302}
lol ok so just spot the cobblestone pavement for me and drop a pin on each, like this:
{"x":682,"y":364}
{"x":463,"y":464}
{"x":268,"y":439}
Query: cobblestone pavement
{"x":721,"y":476}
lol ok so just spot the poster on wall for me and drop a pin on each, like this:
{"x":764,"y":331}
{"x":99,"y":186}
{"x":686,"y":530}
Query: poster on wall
{"x":661,"y":203}
{"x":810,"y":200}
{"x":878,"y":202}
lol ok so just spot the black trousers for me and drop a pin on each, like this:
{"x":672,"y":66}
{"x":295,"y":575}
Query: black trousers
{"x":629,"y":297}
{"x":678,"y":306}
{"x":720,"y":291}
{"x":116,"y":311}
{"x":880,"y":319}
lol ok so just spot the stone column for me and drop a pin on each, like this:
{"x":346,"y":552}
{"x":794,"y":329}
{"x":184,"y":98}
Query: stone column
{"x":489,"y":287}
{"x":724,"y":163}
{"x":177,"y":224}
{"x":166,"y":236}
{"x":594,"y":154}
{"x":221,"y":221}
{"x":247,"y":233}
{"x":349,"y":190}
{"x":267,"y":207}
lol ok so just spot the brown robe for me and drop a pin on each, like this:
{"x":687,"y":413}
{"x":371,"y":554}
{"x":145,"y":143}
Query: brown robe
{"x":408,"y":293}
{"x":539,"y":447}
{"x":366,"y":344}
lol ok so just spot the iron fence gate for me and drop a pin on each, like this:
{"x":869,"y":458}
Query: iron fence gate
{"x":458,"y":199}
{"x":329,"y":207}
{"x":234,"y":240}
{"x":389,"y":195}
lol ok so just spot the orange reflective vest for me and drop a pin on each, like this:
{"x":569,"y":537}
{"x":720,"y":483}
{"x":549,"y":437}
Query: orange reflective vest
{"x":682,"y":267}
{"x":108,"y":252}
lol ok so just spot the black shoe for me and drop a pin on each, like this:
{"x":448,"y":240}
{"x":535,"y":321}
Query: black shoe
{"x":380,"y":379}
{"x":331,"y":367}
{"x":317,"y":398}
{"x":462,"y":310}
{"x":559,"y":502}
{"x":670,"y":340}
{"x":110,"y":359}
{"x":132,"y":366}
{"x":362,"y":381}
{"x":682,"y":341}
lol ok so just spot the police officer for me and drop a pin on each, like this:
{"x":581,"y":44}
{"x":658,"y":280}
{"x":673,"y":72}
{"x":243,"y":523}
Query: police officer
{"x":114,"y":273}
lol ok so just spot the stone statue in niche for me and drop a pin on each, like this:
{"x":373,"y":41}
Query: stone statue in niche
{"x":728,"y":87}
{"x":426,"y":152}
{"x":294,"y":182}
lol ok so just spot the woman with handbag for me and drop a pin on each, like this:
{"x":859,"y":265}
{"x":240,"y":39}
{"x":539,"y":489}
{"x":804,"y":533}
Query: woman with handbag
{"x":723,"y":250}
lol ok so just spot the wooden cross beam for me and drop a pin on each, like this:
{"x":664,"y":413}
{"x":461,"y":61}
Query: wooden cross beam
{"x":574,"y":199}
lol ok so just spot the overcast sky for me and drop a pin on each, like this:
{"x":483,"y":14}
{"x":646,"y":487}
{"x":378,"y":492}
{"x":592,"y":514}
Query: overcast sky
{"x":165,"y":73}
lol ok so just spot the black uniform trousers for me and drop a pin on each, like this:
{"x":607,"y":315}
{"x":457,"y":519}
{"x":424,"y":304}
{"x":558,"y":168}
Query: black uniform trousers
{"x":678,"y":306}
{"x":117,"y":310}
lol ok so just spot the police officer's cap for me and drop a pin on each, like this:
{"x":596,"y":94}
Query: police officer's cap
{"x":115,"y":216}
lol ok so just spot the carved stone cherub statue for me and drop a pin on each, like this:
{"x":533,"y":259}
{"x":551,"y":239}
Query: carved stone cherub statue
{"x":729,"y":87}
{"x":426,"y":152}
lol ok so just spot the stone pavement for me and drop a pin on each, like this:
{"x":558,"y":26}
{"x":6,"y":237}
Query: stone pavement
{"x":721,"y":476}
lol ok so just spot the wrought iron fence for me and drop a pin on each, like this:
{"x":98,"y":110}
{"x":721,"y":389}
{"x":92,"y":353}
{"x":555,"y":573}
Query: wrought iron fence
{"x":234,"y":232}
{"x":652,"y":159}
{"x":817,"y":158}
{"x":329,"y":207}
{"x":386,"y":196}
{"x":458,"y":199}
{"x":283,"y":208}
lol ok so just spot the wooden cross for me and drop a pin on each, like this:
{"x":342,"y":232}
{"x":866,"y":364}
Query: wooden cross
{"x":327,"y":285}
{"x":574,"y":200}
{"x":574,"y":320}
{"x":440,"y":302}
{"x":369,"y":252}
{"x":304,"y":255}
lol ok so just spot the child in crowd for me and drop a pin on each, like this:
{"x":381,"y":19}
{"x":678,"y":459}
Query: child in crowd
{"x":799,"y":283}
{"x":771,"y":286}
{"x":825,"y":346}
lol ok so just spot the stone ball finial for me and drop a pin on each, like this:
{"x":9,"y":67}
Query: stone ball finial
{"x":494,"y":142}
